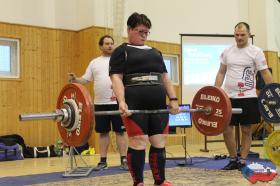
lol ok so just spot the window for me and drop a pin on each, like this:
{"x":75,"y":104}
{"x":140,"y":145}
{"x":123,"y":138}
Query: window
{"x":171,"y":63}
{"x":9,"y":58}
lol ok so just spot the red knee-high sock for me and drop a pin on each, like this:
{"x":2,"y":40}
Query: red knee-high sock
{"x":136,"y":163}
{"x":157,"y":158}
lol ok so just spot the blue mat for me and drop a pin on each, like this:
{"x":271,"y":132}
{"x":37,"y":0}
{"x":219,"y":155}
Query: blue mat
{"x":211,"y":163}
{"x":195,"y":162}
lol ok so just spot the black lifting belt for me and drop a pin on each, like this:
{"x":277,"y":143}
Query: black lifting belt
{"x":137,"y":79}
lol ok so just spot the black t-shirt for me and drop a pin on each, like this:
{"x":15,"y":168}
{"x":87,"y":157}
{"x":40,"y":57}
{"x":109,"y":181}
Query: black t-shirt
{"x":130,"y":59}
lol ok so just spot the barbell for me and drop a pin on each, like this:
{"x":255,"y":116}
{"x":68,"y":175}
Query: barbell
{"x":75,"y":113}
{"x":211,"y":109}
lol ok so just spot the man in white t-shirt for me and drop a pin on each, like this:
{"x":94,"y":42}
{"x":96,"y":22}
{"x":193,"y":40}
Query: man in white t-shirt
{"x":104,"y":100}
{"x":239,"y":65}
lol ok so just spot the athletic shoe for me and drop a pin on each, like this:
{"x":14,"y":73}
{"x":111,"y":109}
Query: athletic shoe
{"x":101,"y":166}
{"x":124,"y":166}
{"x":165,"y":183}
{"x":241,"y":166}
{"x":232,"y":165}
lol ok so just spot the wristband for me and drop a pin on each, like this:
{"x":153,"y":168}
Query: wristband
{"x":173,"y":99}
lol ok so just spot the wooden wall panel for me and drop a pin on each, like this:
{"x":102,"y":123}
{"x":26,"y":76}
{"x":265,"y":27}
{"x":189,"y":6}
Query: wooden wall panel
{"x":45,"y":58}
{"x":47,"y":55}
{"x":274,"y":63}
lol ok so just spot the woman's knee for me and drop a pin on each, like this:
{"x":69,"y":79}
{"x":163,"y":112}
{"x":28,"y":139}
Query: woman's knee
{"x":138,"y":142}
{"x":158,"y":140}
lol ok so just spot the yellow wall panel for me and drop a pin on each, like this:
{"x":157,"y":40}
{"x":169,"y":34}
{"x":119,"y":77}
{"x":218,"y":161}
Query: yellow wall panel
{"x":46,"y":56}
{"x":273,"y":62}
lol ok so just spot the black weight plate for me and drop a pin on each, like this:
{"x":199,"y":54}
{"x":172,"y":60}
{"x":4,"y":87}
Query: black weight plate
{"x":269,"y":104}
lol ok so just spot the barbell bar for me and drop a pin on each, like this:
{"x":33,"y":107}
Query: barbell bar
{"x":58,"y":115}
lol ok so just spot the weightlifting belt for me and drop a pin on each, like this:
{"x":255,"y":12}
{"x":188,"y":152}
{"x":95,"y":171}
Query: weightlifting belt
{"x":138,"y":79}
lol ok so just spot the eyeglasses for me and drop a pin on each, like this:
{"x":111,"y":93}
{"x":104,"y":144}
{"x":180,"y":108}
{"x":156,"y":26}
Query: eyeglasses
{"x":142,"y":32}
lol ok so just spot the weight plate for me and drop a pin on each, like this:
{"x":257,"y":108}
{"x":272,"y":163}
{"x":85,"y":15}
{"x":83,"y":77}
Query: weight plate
{"x":79,"y":97}
{"x":269,"y":104}
{"x":272,"y":147}
{"x":215,"y":122}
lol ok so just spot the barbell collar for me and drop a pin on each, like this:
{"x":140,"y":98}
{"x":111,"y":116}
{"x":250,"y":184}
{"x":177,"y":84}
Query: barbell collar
{"x":237,"y":110}
{"x":276,"y":148}
{"x":270,"y":102}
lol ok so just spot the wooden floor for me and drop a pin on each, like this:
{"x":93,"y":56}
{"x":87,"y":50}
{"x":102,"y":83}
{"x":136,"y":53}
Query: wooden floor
{"x":58,"y":164}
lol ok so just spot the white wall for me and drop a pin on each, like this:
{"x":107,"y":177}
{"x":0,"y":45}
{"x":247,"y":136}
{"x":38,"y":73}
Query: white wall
{"x":28,"y":12}
{"x":85,"y":13}
{"x":66,"y":14}
{"x":273,"y":25}
{"x":187,"y":16}
{"x":103,"y":13}
{"x":169,"y":17}
{"x":46,"y":13}
{"x":257,"y":17}
{"x":264,"y":18}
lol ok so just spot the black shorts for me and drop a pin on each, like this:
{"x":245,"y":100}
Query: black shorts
{"x":146,"y":124}
{"x":103,"y":123}
{"x":250,"y":111}
{"x":146,"y":98}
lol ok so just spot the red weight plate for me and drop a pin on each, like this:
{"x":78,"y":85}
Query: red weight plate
{"x":215,"y":98}
{"x":81,"y":96}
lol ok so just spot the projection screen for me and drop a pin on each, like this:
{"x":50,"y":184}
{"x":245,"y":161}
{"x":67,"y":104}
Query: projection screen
{"x":200,"y":61}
